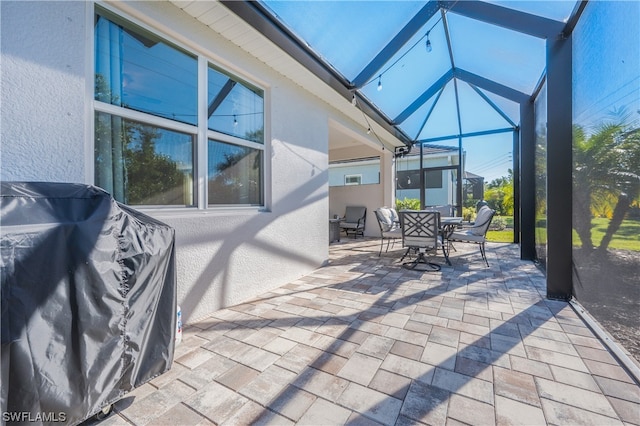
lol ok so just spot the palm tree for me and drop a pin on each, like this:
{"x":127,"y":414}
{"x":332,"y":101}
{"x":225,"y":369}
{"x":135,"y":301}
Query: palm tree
{"x":628,"y":177}
{"x":605,"y":164}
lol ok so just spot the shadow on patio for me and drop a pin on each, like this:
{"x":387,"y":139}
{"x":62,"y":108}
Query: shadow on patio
{"x":363,"y":341}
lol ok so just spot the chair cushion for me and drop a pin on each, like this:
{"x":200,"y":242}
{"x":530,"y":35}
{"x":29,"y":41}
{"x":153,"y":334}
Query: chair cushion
{"x":419,"y":242}
{"x":481,"y":221}
{"x":394,"y":216}
{"x":392,"y":233}
{"x":467,"y":235}
{"x":385,"y":217}
{"x":354,"y":213}
{"x":347,"y":225}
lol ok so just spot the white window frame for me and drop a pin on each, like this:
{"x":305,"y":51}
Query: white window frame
{"x":201,"y":131}
{"x":358,"y":180}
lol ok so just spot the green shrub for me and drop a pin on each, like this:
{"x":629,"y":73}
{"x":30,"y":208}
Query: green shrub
{"x":468,"y":213}
{"x":408,"y":204}
{"x":498,"y":223}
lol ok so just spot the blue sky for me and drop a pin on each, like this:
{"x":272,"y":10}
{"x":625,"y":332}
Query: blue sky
{"x":349,"y":34}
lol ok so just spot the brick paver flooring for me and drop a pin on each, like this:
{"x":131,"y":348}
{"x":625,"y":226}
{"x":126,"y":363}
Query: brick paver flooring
{"x":363,"y":341}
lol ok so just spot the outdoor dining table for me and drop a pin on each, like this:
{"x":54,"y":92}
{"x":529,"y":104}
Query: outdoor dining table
{"x":448,"y":224}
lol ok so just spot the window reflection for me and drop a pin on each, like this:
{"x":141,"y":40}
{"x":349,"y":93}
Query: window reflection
{"x":137,"y":70}
{"x":235,"y":174}
{"x":234,"y":108}
{"x":141,"y":164}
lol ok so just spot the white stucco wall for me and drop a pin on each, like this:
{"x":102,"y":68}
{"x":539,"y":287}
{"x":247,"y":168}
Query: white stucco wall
{"x":223,"y":257}
{"x":369,"y":196}
{"x":43,"y":91}
{"x":368,"y":171}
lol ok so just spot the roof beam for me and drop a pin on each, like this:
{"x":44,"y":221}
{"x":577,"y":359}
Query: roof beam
{"x":224,"y":92}
{"x":511,"y":19}
{"x":424,"y":97}
{"x":492,"y":104}
{"x":473,"y":79}
{"x":387,"y":52}
{"x":467,"y":135}
{"x":433,"y":106}
{"x":491,"y":86}
{"x":259,"y":18}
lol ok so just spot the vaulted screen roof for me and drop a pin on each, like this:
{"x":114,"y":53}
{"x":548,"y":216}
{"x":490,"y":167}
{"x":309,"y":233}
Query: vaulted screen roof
{"x":429,"y":70}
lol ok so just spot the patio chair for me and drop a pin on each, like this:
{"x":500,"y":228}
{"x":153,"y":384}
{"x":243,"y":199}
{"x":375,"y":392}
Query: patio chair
{"x":354,"y":220}
{"x":420,"y":233}
{"x":389,"y":223}
{"x":476,"y":234}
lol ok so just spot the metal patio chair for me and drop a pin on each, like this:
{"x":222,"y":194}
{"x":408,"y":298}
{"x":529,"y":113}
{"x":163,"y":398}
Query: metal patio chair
{"x":476,"y":234}
{"x":389,"y":223}
{"x":354,"y":220}
{"x":420,"y":233}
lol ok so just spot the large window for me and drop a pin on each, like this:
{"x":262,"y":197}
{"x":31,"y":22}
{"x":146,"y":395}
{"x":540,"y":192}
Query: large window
{"x":148,"y":125}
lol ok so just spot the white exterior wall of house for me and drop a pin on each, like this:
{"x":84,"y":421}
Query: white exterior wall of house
{"x":367,"y":170}
{"x":223,"y":257}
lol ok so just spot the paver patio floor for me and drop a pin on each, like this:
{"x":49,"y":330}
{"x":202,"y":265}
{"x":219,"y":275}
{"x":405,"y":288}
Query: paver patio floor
{"x":363,"y":341}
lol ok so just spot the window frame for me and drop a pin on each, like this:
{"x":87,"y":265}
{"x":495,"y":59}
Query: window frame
{"x":357,"y":176}
{"x":200,"y":131}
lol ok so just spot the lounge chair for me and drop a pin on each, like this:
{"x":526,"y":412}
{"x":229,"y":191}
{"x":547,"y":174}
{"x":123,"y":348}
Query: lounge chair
{"x":354,"y":220}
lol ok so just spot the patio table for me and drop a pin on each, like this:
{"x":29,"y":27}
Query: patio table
{"x":334,"y":230}
{"x":448,"y":224}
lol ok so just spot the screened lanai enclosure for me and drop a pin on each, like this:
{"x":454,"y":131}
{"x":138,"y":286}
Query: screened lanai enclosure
{"x":545,"y":93}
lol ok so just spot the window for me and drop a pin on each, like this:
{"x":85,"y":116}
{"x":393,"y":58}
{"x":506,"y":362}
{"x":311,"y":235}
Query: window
{"x":141,"y":164}
{"x":410,"y":179}
{"x":433,"y":178}
{"x":234,"y":174}
{"x":147,"y":123}
{"x":235,"y":170}
{"x":234,"y":107}
{"x":353,"y":179}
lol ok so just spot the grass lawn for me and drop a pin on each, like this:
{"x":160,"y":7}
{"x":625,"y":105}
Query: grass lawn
{"x":505,"y":236}
{"x":626,"y":238}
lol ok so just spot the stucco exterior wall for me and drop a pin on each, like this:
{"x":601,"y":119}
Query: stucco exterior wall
{"x":43,"y":91}
{"x":358,"y":195}
{"x":223,"y":257}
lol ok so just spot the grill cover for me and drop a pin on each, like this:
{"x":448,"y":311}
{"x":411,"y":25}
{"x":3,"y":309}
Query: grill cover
{"x":88,"y":300}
